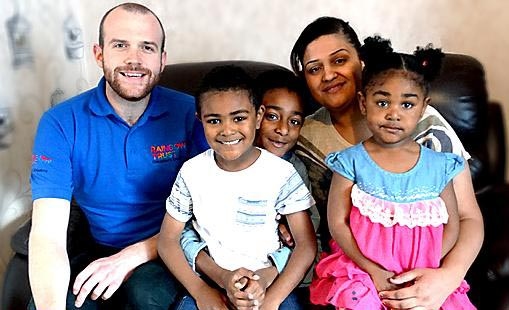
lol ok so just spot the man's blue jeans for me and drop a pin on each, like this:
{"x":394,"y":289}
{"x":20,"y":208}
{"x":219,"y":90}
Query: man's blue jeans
{"x":290,"y":303}
{"x":150,"y":287}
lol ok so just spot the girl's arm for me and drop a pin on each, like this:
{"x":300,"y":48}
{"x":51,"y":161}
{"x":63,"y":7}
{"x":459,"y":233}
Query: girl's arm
{"x":302,"y":257}
{"x":452,"y":228}
{"x":471,"y":232}
{"x":338,"y":217}
{"x":171,"y":253}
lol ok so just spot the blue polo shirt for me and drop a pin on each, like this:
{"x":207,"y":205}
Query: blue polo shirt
{"x":119,"y":175}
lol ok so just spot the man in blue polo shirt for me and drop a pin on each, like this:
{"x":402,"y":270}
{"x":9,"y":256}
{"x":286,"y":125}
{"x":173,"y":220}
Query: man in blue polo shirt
{"x":115,"y":149}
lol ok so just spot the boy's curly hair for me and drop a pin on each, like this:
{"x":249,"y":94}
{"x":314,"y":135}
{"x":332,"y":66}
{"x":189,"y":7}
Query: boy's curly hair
{"x":226,"y":78}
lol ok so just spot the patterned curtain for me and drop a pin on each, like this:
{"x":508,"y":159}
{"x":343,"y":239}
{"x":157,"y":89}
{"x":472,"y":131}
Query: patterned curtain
{"x":42,"y":51}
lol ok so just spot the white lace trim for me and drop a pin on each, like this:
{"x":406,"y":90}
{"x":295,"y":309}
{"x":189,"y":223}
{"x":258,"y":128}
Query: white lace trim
{"x":411,"y":214}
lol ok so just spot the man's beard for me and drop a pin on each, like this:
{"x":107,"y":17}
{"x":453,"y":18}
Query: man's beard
{"x":126,"y":92}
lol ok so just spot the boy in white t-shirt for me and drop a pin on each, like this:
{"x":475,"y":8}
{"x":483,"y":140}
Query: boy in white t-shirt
{"x":234,"y":192}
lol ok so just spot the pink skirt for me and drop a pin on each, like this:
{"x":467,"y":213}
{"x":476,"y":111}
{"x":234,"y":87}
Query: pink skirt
{"x":339,"y":282}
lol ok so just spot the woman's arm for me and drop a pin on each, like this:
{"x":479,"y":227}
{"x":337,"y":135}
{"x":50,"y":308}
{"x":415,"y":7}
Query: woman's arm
{"x":452,"y":228}
{"x":431,"y":287}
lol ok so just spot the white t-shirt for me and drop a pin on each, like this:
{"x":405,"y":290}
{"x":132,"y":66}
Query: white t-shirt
{"x":235,"y":212}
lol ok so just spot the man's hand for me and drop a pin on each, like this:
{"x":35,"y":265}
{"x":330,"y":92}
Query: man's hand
{"x":426,"y":288}
{"x":102,"y":277}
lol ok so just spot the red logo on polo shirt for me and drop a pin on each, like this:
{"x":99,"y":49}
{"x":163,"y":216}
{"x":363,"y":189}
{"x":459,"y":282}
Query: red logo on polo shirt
{"x":41,"y":158}
{"x":167,"y":151}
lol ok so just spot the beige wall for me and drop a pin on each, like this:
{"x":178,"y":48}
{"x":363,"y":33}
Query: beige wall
{"x":266,"y":30}
{"x":213,"y":30}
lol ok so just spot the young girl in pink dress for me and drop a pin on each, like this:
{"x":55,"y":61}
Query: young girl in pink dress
{"x":391,"y":206}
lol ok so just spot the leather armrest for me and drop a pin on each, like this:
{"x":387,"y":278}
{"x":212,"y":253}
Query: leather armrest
{"x":16,"y":288}
{"x":495,"y":250}
{"x":495,"y":142}
{"x":19,"y":241}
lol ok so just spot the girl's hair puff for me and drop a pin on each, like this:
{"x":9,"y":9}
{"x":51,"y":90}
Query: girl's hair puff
{"x":430,"y":60}
{"x":378,"y":56}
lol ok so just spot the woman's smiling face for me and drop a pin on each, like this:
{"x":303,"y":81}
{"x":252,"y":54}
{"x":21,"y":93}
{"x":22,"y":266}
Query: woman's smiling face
{"x":332,"y":70}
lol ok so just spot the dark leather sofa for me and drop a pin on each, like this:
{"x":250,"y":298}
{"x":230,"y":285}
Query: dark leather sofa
{"x":459,"y":94}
